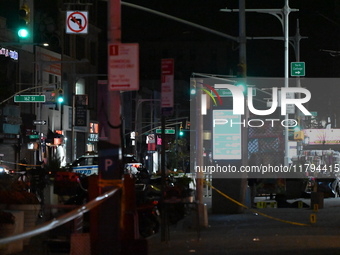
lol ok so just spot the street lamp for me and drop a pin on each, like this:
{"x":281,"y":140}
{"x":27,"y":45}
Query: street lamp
{"x":139,"y":102}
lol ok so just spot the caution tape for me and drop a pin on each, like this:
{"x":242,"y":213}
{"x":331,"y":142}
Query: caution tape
{"x":155,"y":188}
{"x":255,"y":211}
{"x":110,"y":183}
{"x":19,"y":164}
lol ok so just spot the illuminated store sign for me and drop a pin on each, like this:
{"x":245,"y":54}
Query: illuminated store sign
{"x":9,"y":53}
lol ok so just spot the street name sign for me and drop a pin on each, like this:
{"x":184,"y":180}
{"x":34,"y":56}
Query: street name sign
{"x":29,"y":98}
{"x":297,"y":69}
{"x":39,"y":122}
{"x":166,"y":131}
{"x":315,"y":114}
{"x":227,"y":92}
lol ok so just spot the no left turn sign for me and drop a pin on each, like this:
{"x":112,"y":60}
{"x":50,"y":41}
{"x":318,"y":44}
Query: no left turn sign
{"x":76,"y":22}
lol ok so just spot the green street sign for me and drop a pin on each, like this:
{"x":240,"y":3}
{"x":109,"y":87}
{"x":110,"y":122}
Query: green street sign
{"x":166,"y":131}
{"x":29,"y":98}
{"x":33,"y":136}
{"x":297,"y":69}
{"x":227,"y":92}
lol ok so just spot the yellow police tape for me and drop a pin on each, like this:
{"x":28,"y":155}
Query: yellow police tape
{"x":255,"y":211}
{"x":108,"y":183}
{"x":155,"y":188}
{"x":19,"y":164}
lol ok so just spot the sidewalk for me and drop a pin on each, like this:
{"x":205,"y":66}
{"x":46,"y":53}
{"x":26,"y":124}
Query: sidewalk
{"x":251,"y":233}
{"x":38,"y":244}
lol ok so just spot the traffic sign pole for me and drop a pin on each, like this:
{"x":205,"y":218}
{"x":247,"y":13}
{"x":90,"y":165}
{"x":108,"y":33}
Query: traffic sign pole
{"x":108,"y":239}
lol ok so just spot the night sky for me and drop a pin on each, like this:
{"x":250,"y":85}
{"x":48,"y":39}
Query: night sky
{"x":319,"y":21}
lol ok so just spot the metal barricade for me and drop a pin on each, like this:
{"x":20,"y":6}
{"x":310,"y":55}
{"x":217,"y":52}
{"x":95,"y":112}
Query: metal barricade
{"x":56,"y":222}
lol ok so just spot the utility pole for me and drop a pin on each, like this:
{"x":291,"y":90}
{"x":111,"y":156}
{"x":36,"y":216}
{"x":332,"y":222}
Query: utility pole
{"x":199,"y":152}
{"x":243,"y":75}
{"x":286,"y":11}
{"x":114,"y":36}
{"x":296,"y":45}
{"x":106,"y":235}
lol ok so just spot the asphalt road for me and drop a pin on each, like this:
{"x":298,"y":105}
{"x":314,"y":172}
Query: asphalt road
{"x":253,"y":233}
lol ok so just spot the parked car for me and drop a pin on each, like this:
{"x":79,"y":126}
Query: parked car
{"x":88,"y":164}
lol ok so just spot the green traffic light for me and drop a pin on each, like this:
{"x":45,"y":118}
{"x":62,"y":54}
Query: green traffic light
{"x":23,"y":33}
{"x":24,"y":21}
{"x":297,"y":129}
{"x":181,"y":133}
{"x":243,"y":87}
{"x":60,"y":99}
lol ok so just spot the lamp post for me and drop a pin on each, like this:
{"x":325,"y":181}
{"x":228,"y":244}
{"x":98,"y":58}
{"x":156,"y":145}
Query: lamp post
{"x":283,"y":16}
{"x":138,"y":103}
{"x":243,"y":74}
{"x":286,"y":11}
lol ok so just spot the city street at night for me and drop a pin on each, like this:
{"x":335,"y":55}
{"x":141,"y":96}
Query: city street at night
{"x":168,"y":127}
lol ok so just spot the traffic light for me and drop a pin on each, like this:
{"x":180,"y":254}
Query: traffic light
{"x":242,"y":85}
{"x":181,"y":133}
{"x":299,"y":135}
{"x":242,"y":70}
{"x":24,"y":21}
{"x":242,"y":74}
{"x":60,"y":96}
{"x":193,"y":86}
